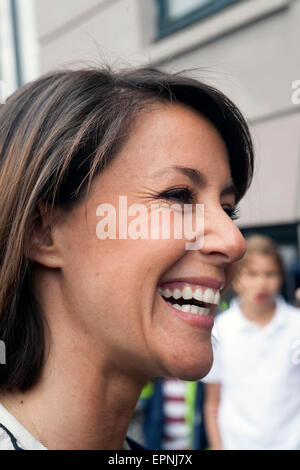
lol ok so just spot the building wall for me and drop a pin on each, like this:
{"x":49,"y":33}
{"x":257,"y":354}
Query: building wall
{"x":87,"y":32}
{"x":273,"y":197}
{"x":250,"y":51}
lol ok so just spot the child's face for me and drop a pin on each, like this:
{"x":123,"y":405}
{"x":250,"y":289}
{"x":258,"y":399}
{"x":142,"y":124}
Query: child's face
{"x":259,"y":280}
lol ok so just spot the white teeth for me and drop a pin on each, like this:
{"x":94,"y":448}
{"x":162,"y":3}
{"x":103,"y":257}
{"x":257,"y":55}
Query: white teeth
{"x":198,"y":294}
{"x":177,"y":306}
{"x":186,"y":308}
{"x":187,"y":293}
{"x":167,"y":293}
{"x":202,"y":294}
{"x":192,"y":309}
{"x":217,"y":298}
{"x":177,"y":293}
{"x":209,"y":296}
{"x":203,"y":311}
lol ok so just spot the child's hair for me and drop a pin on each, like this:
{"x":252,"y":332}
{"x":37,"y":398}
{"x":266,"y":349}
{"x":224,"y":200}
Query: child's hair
{"x":262,"y":245}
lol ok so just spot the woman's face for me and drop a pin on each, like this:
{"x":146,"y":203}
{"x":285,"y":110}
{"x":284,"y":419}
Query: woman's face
{"x":111,"y":287}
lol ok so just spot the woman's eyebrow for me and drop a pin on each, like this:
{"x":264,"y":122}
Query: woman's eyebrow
{"x":198,"y":178}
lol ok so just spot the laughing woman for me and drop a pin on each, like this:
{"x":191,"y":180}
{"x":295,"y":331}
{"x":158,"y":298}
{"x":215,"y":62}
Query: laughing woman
{"x":87,"y":320}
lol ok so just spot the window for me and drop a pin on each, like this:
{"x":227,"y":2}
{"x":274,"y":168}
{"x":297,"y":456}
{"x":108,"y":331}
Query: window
{"x":18,"y":45}
{"x":174,"y":15}
{"x":8,"y":57}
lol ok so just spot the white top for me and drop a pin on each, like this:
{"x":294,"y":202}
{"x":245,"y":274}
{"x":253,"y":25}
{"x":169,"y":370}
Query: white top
{"x":259,"y":370}
{"x":13,"y":436}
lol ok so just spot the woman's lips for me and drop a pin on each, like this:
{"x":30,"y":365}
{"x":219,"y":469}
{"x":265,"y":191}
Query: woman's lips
{"x":193,"y":319}
{"x":200,"y":281}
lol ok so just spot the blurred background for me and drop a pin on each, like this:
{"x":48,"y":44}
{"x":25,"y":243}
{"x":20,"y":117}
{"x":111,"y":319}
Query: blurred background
{"x":247,"y":48}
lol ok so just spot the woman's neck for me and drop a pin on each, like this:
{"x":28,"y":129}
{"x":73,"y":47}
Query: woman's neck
{"x":80,"y":402}
{"x":259,"y":314}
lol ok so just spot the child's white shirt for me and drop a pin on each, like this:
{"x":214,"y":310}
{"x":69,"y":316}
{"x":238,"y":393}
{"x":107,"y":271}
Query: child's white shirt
{"x":259,"y":371}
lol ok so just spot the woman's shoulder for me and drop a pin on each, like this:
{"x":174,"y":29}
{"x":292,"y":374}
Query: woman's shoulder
{"x":7,"y":439}
{"x":13,"y":435}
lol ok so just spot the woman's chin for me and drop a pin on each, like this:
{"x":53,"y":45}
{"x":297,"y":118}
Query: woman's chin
{"x":191,"y":368}
{"x":194,"y":373}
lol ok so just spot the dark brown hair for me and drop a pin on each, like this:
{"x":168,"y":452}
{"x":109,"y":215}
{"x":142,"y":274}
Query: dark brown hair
{"x":56,"y":134}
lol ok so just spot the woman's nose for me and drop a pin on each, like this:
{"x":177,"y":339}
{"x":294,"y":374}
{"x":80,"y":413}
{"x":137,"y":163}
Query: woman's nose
{"x":222,"y":237}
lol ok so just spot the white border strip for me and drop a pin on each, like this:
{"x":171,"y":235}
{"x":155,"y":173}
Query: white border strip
{"x":28,"y":40}
{"x":7,"y":51}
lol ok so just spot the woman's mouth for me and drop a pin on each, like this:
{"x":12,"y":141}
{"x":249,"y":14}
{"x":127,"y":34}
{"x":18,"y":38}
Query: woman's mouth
{"x":192,"y":303}
{"x":191,"y":299}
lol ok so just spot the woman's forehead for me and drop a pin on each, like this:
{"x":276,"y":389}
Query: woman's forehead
{"x":172,"y":134}
{"x":164,"y":118}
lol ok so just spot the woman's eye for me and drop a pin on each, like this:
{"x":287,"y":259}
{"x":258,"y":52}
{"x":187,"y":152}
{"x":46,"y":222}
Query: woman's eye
{"x":234,"y":213}
{"x":184,"y":195}
{"x":188,"y":196}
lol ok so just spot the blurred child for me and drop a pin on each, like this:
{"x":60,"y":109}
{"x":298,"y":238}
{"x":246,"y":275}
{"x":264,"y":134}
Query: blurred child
{"x":252,"y":393}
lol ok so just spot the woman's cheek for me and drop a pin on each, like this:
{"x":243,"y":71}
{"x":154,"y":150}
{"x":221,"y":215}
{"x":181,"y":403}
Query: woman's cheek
{"x":230,"y":273}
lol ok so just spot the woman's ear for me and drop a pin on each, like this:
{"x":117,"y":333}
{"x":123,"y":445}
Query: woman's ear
{"x":43,"y":243}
